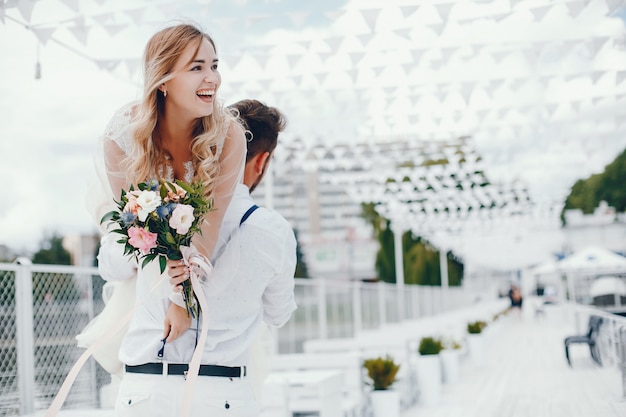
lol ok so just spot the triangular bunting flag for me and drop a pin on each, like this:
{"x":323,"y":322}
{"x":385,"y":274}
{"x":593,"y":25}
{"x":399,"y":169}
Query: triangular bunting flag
{"x":107,"y":64}
{"x":437,"y":28}
{"x":370,"y":16}
{"x":262,"y":59}
{"x":404,"y":33}
{"x":575,"y":7}
{"x":540,"y":12}
{"x":365,"y":39}
{"x":304,"y":44}
{"x":114,"y":29}
{"x":444,"y":10}
{"x":136,"y":15}
{"x":408,"y":10}
{"x":324,"y":55}
{"x":594,"y":45}
{"x":466,"y":91}
{"x":355,"y":57}
{"x":446,"y":53}
{"x":43,"y":34}
{"x":292,"y":60}
{"x":103,"y":18}
{"x":596,"y":75}
{"x":72,"y":4}
{"x":25,"y":8}
{"x":334,"y":43}
{"x":613,"y":5}
{"x":333,"y":15}
{"x":416,"y":55}
{"x":80,"y":33}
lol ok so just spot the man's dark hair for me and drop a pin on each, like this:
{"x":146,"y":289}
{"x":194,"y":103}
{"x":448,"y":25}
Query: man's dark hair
{"x":263,"y":123}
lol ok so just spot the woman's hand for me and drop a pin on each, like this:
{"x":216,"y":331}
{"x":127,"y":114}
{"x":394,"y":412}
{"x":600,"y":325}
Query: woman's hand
{"x":178,"y":272}
{"x":177,"y":321}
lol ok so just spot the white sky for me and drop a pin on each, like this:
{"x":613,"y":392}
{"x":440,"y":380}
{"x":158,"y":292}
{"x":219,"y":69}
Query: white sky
{"x":548,"y":123}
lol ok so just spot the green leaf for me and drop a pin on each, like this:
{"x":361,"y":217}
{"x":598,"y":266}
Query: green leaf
{"x":162,"y":263}
{"x":169,"y":238}
{"x":108,"y":216}
{"x":185,"y":186}
{"x":147,"y":259}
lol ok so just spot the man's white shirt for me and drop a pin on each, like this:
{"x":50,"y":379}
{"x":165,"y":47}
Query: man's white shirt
{"x":252,"y":281}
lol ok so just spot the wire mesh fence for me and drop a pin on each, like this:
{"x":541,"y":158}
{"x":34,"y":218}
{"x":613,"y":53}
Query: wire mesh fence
{"x":44,"y":307}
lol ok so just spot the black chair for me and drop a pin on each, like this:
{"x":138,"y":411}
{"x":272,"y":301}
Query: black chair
{"x":590,"y":339}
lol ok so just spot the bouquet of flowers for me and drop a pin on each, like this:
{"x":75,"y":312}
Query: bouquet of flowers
{"x":156,"y":219}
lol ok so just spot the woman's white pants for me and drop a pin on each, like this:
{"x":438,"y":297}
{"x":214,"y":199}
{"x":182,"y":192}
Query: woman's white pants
{"x":146,"y":395}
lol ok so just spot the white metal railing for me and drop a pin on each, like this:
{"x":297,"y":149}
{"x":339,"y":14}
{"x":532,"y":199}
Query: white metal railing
{"x":43,"y":307}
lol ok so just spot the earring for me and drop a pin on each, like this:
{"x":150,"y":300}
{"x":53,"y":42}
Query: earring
{"x":164,"y":93}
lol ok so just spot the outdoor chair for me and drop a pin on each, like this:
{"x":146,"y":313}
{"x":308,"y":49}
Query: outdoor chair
{"x":590,"y":339}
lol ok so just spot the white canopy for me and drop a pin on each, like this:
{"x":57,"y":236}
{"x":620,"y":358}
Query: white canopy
{"x":589,"y":261}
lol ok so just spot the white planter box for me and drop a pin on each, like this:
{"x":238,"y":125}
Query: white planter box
{"x":476,"y":348}
{"x":386,"y":403}
{"x":450,"y":365}
{"x":428,"y":369}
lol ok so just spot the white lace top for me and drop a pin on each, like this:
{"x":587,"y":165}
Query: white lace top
{"x":119,"y":130}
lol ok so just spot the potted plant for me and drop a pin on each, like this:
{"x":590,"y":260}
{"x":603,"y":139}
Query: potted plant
{"x":450,"y":360}
{"x":428,"y":369}
{"x":475,"y":342}
{"x":382,"y":373}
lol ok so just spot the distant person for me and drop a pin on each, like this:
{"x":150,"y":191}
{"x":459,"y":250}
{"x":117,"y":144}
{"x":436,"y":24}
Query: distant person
{"x":515,"y":295}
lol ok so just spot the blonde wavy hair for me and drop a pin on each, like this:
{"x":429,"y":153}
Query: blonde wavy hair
{"x":147,"y":159}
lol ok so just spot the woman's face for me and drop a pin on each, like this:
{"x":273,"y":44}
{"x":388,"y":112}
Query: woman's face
{"x":191,"y":93}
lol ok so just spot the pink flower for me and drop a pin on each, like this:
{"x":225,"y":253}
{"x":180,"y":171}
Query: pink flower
{"x":132,"y":205}
{"x":141,"y":239}
{"x":182,"y":218}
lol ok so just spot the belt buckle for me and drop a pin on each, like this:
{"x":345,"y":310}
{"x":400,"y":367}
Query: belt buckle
{"x":165,"y":370}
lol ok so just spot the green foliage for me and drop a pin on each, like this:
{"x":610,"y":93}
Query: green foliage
{"x":382,"y":371}
{"x":430,"y":346}
{"x":56,"y":286}
{"x":608,"y":186}
{"x":420,"y":259}
{"x":476,"y":327}
{"x":301,"y":269}
{"x":52,"y":252}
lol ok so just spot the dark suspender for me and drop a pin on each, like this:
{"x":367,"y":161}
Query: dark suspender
{"x":248,"y":213}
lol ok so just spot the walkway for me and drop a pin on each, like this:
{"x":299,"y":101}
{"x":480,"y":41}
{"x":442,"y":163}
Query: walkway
{"x":526,"y":375}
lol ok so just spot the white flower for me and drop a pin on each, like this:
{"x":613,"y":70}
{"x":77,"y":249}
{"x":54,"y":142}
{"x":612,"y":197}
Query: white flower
{"x":182,"y":218}
{"x":148,"y":201}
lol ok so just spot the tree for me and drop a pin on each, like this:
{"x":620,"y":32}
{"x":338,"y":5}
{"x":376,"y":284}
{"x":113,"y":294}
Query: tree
{"x":51,"y":251}
{"x":301,"y":268}
{"x":608,"y":186}
{"x":53,"y":286}
{"x":420,"y":258}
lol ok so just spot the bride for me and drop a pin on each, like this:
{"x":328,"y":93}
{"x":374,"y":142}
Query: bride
{"x":179,"y":130}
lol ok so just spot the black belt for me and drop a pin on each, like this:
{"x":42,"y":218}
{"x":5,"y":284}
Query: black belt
{"x":156,"y":368}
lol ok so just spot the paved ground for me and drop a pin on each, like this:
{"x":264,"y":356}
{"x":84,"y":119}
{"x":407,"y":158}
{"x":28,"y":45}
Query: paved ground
{"x":525,"y":375}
